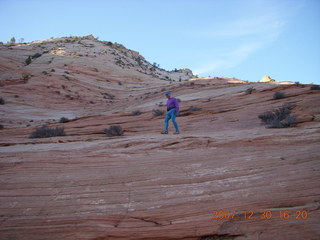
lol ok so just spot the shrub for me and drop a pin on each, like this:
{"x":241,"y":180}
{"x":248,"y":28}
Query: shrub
{"x":315,"y":87}
{"x":36,"y":55}
{"x":157,"y":112}
{"x":1,"y":126}
{"x":66,"y":77}
{"x":2,"y":101}
{"x":25,"y":77}
{"x":12,"y":40}
{"x":64,"y":120}
{"x":108,"y":95}
{"x":28,"y":60}
{"x":178,"y":99}
{"x":136,"y":112}
{"x":250,"y":90}
{"x":45,"y":132}
{"x":279,"y":95}
{"x":114,"y":130}
{"x":279,"y":118}
{"x":194,"y":109}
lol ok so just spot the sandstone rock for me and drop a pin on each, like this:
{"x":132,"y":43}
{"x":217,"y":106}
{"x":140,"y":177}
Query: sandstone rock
{"x":144,"y":185}
{"x":267,"y":79}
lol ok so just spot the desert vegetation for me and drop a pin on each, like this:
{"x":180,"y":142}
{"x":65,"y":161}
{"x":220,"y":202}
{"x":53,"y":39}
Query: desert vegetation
{"x":25,"y":77}
{"x":250,"y":90}
{"x":279,"y":95}
{"x":114,"y":130}
{"x":64,"y":120}
{"x":315,"y":87}
{"x":157,"y":112}
{"x":46,"y":132}
{"x":279,"y":117}
{"x":36,"y":55}
{"x":136,"y":112}
{"x":28,"y":60}
{"x":194,"y":109}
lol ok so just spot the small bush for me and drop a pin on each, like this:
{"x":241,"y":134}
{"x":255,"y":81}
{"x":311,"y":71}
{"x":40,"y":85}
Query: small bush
{"x":178,"y":99}
{"x":36,"y":55}
{"x":25,"y":77}
{"x":279,"y":118}
{"x":28,"y":60}
{"x":315,"y":87}
{"x":64,"y":120}
{"x":279,"y":95}
{"x":46,"y":132}
{"x":1,"y":126}
{"x":12,"y":41}
{"x":136,"y":112}
{"x":194,"y":109}
{"x":114,"y":130}
{"x":250,"y":90}
{"x":66,"y":77}
{"x":157,"y":112}
{"x":2,"y":101}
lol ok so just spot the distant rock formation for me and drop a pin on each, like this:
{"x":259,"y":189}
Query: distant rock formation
{"x":110,"y":53}
{"x":267,"y":79}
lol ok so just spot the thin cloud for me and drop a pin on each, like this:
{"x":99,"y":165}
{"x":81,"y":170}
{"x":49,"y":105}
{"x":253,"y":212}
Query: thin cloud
{"x":253,"y":34}
{"x":230,"y":59}
{"x":242,"y":28}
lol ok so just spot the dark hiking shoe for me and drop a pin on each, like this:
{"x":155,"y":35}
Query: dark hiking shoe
{"x":164,"y":132}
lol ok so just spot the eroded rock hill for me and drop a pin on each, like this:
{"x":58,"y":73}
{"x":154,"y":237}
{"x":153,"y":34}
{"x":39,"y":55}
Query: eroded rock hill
{"x":144,"y":185}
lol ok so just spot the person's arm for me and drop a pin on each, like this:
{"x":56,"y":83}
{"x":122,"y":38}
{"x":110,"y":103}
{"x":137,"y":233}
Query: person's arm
{"x":177,"y":105}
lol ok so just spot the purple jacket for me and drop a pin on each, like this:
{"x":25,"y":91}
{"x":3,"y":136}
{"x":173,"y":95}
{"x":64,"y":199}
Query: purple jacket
{"x":172,"y":103}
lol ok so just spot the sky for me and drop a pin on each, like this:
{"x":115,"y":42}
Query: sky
{"x":245,"y":39}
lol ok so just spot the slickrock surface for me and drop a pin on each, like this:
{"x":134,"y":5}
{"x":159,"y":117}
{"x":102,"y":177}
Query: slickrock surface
{"x":145,"y":185}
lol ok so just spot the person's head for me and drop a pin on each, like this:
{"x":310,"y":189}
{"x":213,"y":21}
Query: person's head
{"x":168,"y":94}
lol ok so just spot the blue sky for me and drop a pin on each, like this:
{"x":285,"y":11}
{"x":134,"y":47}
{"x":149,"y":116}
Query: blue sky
{"x":246,"y":39}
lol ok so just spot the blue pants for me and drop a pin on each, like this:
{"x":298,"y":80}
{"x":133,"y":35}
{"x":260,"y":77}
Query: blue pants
{"x":171,"y":115}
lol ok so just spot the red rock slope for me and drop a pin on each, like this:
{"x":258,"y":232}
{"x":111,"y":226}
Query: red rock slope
{"x":144,"y":185}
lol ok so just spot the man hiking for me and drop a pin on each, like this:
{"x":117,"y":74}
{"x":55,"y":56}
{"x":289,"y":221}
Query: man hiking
{"x":172,"y":110}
